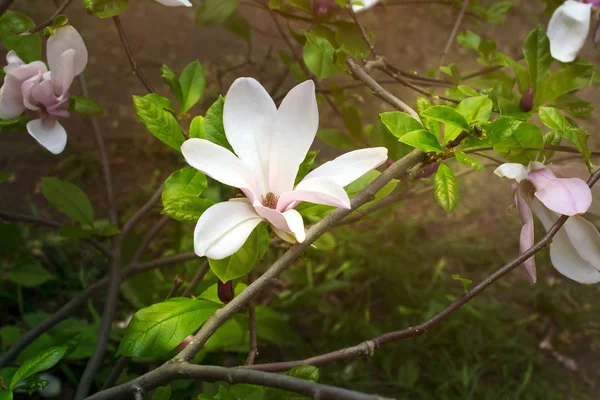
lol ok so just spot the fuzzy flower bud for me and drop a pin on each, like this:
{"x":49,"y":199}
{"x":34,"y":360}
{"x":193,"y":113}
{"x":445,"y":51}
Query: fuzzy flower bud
{"x":225,"y":291}
{"x":526,"y":103}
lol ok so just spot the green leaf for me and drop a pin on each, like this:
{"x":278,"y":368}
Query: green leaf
{"x":274,"y":327}
{"x":246,"y":392}
{"x":186,"y":209}
{"x":574,"y":76}
{"x":17,"y":124}
{"x":43,"y":361}
{"x":162,"y":393}
{"x":215,"y":12}
{"x":446,"y":188}
{"x":5,"y":176}
{"x":469,"y":40}
{"x":187,"y":182}
{"x":318,"y":55}
{"x":553,"y":119}
{"x":523,"y":145}
{"x":446,"y":115}
{"x":352,"y":122}
{"x":423,"y":140}
{"x":574,"y":106}
{"x":465,"y":159}
{"x":476,"y":109}
{"x":465,"y":282}
{"x":152,"y":112}
{"x":336,"y":138}
{"x":171,"y":79}
{"x":28,"y":47}
{"x":213,"y":124}
{"x":106,"y":8}
{"x":400,"y":123}
{"x":238,"y":25}
{"x":307,"y":372}
{"x":68,"y":199}
{"x":192,"y":82}
{"x":197,"y":127}
{"x":306,"y":165}
{"x":30,"y":273}
{"x":350,"y":38}
{"x":579,"y":138}
{"x":159,"y":328}
{"x":85,"y":105}
{"x":494,"y":133}
{"x":9,"y":334}
{"x":11,"y":239}
{"x":245,"y":259}
{"x":536,"y":49}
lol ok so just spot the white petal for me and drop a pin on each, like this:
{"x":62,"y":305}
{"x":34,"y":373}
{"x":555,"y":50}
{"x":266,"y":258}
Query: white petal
{"x":283,"y":235}
{"x":318,"y":191}
{"x":514,"y":171}
{"x":367,"y":4}
{"x":11,"y":102}
{"x":220,"y":164}
{"x":224,"y":228}
{"x":249,"y":117}
{"x":289,"y":221}
{"x":66,"y":38}
{"x":296,"y":224}
{"x":62,"y":76}
{"x":350,"y":166}
{"x":175,"y":3}
{"x":568,"y":29}
{"x":50,"y":135}
{"x":296,"y":125}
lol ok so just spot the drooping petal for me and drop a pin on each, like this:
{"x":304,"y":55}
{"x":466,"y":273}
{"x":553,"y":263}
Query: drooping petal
{"x":289,"y":221}
{"x":13,"y":61}
{"x":514,"y":171}
{"x":564,"y":254}
{"x":527,"y":238}
{"x":27,"y":92}
{"x":283,"y":235}
{"x":220,"y":164}
{"x":65,"y":38}
{"x":249,"y":117}
{"x":568,"y":29}
{"x":318,"y":191}
{"x":24,"y":72}
{"x":579,"y":170}
{"x":367,"y":4}
{"x":348,"y":167}
{"x":175,"y":3}
{"x":11,"y":100}
{"x":568,"y":196}
{"x":62,"y":76}
{"x":224,"y":228}
{"x":296,"y":125}
{"x":51,"y":135}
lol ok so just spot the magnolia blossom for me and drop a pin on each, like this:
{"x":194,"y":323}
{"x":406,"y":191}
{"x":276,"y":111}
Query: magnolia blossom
{"x":575,"y":250}
{"x":366,"y":5}
{"x":41,"y":93}
{"x":269,"y":144}
{"x":175,"y":3}
{"x":568,"y":28}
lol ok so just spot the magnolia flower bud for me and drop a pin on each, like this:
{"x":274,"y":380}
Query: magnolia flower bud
{"x":526,"y":103}
{"x":429,"y":170}
{"x":324,"y":8}
{"x":225,"y":291}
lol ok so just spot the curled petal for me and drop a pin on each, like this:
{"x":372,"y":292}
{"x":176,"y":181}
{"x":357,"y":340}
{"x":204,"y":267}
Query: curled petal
{"x":27,"y":92}
{"x":62,"y":76}
{"x":579,"y":170}
{"x":318,"y":191}
{"x":568,"y":28}
{"x":568,"y":196}
{"x":289,"y":221}
{"x":527,"y":235}
{"x":224,"y":228}
{"x":350,"y":166}
{"x":13,"y":61}
{"x":49,"y":134}
{"x":366,"y":5}
{"x":514,"y":171}
{"x":66,"y":38}
{"x":175,"y":3}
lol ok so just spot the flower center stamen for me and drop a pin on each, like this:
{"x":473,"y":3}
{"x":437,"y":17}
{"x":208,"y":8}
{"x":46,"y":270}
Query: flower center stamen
{"x":270,"y":200}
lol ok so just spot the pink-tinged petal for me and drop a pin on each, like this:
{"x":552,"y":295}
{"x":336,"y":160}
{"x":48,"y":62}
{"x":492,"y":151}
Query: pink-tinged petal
{"x":527,"y":235}
{"x":366,"y":5}
{"x":11,"y":100}
{"x":66,"y":38}
{"x":565,"y":255}
{"x":27,"y":92}
{"x":514,"y":171}
{"x":43,"y":93}
{"x":220,"y":164}
{"x":296,"y":224}
{"x":24,"y":72}
{"x":350,"y":166}
{"x":283,"y":235}
{"x":60,"y":108}
{"x":318,"y":191}
{"x":579,"y":170}
{"x":249,"y":118}
{"x":568,"y":196}
{"x":51,"y":134}
{"x":296,"y":125}
{"x":224,"y":228}
{"x":289,"y":221}
{"x":568,"y":29}
{"x":13,"y":61}
{"x":585,"y":238}
{"x":175,"y":3}
{"x":62,"y":76}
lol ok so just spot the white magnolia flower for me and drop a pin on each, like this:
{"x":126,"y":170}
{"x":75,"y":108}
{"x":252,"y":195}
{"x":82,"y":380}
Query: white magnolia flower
{"x":366,"y":5}
{"x":270,"y":144}
{"x":569,"y":27}
{"x":575,"y":250}
{"x":175,"y":3}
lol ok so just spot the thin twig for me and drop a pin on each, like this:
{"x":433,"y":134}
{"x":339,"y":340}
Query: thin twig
{"x":453,"y":34}
{"x":49,"y":21}
{"x":363,"y":31}
{"x":4,"y":5}
{"x":196,"y":280}
{"x":130,"y":57}
{"x":155,"y":230}
{"x":253,"y":353}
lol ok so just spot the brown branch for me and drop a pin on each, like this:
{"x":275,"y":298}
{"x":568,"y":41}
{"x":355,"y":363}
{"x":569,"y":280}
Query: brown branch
{"x":4,"y":5}
{"x":363,"y":32}
{"x":49,"y":21}
{"x":130,"y":57}
{"x":453,"y":34}
{"x":253,"y":353}
{"x":191,"y":288}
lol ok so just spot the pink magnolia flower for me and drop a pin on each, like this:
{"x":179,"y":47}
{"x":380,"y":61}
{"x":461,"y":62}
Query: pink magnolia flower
{"x":575,"y":250}
{"x":270,"y":144}
{"x":41,"y":93}
{"x":569,"y":27}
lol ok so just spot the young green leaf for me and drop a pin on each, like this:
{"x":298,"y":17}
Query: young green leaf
{"x":494,"y":133}
{"x":423,"y":140}
{"x":475,"y":109}
{"x":187,"y":182}
{"x":5,"y":176}
{"x":465,"y":159}
{"x":237,"y":24}
{"x":41,"y":362}
{"x":574,"y":76}
{"x":446,"y":188}
{"x":29,"y":273}
{"x":465,"y":282}
{"x":400,"y":123}
{"x":306,"y":165}
{"x":69,"y":200}
{"x":213,"y":124}
{"x":159,"y":328}
{"x":171,"y":79}
{"x":579,"y":138}
{"x":152,"y":112}
{"x":536,"y":49}
{"x":197,"y":127}
{"x":27,"y":47}
{"x":469,"y":40}
{"x":186,"y":209}
{"x":215,"y":12}
{"x":336,"y":138}
{"x":106,"y":8}
{"x":318,"y":55}
{"x":553,"y":119}
{"x":192,"y":82}
{"x":85,"y":105}
{"x":523,"y":145}
{"x":446,"y":115}
{"x":162,"y":393}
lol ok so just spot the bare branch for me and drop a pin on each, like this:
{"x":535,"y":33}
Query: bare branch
{"x":253,"y":353}
{"x":191,"y":288}
{"x":4,"y":5}
{"x":453,"y":34}
{"x":130,"y":57}
{"x":48,"y":22}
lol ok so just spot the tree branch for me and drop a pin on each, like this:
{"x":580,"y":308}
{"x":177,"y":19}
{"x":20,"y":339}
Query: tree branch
{"x":253,"y":353}
{"x":453,"y":34}
{"x":191,"y":288}
{"x":48,"y":22}
{"x":4,"y":5}
{"x":130,"y":57}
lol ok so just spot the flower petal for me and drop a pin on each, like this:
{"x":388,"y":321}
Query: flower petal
{"x":49,"y":134}
{"x":62,"y":76}
{"x":175,"y":3}
{"x":11,"y":100}
{"x":220,"y":164}
{"x":579,"y":170}
{"x":43,"y":93}
{"x":527,"y":238}
{"x":568,"y":28}
{"x":568,"y":196}
{"x":318,"y":191}
{"x":296,"y":125}
{"x":514,"y":171}
{"x":66,"y":38}
{"x":348,"y":167}
{"x":249,"y":118}
{"x":367,"y":4}
{"x":224,"y":228}
{"x":289,"y":221}
{"x":566,"y":255}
